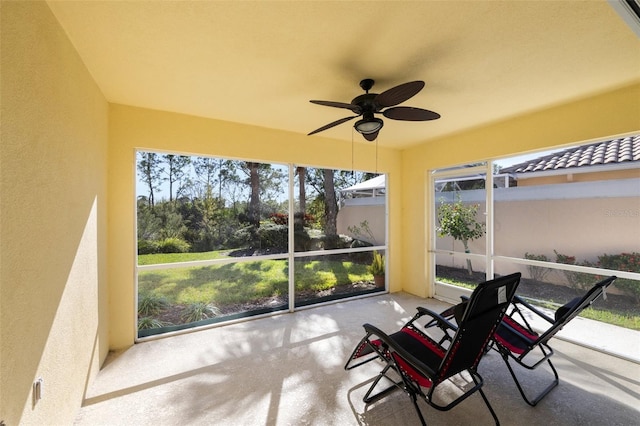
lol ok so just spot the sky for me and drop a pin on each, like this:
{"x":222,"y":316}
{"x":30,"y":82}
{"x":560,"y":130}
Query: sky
{"x":141,"y":188}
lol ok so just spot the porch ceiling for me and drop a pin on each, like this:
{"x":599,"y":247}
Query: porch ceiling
{"x":259,"y":63}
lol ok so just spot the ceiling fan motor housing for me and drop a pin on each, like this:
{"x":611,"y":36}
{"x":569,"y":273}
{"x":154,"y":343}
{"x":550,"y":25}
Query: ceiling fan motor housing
{"x":366,"y":102}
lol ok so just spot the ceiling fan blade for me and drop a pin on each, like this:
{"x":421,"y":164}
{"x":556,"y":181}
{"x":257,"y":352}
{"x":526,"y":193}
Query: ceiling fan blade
{"x":410,"y":114}
{"x":397,"y":95}
{"x":330,"y":125}
{"x":352,"y":107}
{"x":371,"y":136}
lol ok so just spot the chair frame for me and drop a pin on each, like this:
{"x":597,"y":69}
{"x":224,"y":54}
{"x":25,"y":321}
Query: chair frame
{"x":541,"y":343}
{"x":376,"y":345}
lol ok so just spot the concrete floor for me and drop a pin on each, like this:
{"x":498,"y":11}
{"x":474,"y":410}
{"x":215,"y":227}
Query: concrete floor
{"x":288,"y":370}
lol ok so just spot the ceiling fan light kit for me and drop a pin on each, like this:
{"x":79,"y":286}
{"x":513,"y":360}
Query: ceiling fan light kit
{"x":369,"y":125}
{"x":372,"y":103}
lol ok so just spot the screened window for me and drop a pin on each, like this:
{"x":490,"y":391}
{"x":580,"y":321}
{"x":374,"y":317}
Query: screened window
{"x":564,"y":218}
{"x":216,"y":241}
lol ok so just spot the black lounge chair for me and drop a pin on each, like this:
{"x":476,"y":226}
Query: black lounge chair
{"x":515,"y":338}
{"x":422,"y":364}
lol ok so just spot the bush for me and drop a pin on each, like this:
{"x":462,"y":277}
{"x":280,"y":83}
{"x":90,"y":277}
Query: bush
{"x":301,"y":240}
{"x":273,"y":236}
{"x":537,"y":273}
{"x":300,"y":219}
{"x":150,"y":304}
{"x":279,"y":218}
{"x":629,"y":262}
{"x":147,"y":247}
{"x":336,"y":241}
{"x":199,"y":311}
{"x":173,"y":245}
{"x":377,"y":265}
{"x":577,"y":280}
{"x":148,"y":322}
{"x":241,"y":237}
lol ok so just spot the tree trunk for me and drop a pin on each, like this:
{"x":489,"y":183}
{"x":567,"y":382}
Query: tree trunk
{"x":466,"y":250}
{"x":330,"y":210}
{"x":302,"y":193}
{"x":254,"y":201}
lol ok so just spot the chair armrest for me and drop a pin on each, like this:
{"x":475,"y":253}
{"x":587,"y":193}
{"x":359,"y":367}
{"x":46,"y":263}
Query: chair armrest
{"x":519,"y":300}
{"x":436,"y":319}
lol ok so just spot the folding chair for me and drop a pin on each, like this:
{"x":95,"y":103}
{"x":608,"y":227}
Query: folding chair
{"x":515,"y":338}
{"x":422,"y":364}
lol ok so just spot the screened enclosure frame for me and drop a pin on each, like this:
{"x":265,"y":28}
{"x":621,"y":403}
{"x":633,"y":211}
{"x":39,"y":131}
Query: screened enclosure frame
{"x":291,"y":256}
{"x":450,"y":292}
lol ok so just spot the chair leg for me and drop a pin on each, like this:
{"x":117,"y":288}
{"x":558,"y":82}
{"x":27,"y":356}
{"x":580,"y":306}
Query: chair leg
{"x":368,"y":398}
{"x":533,"y":402}
{"x":486,"y":401}
{"x":414,"y":399}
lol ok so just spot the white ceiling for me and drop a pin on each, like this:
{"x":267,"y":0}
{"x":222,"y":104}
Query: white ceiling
{"x":260,"y":63}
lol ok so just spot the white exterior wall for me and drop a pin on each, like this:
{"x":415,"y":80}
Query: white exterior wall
{"x":584,"y":228}
{"x":357,"y":210}
{"x":584,"y":220}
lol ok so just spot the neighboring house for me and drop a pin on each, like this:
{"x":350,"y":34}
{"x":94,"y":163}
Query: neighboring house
{"x":362,"y":202}
{"x":612,"y":159}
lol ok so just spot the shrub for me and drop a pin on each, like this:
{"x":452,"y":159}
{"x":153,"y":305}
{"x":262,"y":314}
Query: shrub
{"x":279,"y":218}
{"x":173,"y":245}
{"x":241,"y":237}
{"x":629,"y":262}
{"x":150,"y":304}
{"x":198,"y":311}
{"x":273,"y":236}
{"x":333,"y":242}
{"x":537,"y":273}
{"x":148,"y":322}
{"x":300,"y":219}
{"x":363,"y":232}
{"x":577,"y":280}
{"x":147,"y":247}
{"x":377,"y":265}
{"x":301,"y":240}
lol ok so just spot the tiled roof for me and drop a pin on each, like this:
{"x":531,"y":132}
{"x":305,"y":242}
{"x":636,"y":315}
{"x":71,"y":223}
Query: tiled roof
{"x":615,"y":151}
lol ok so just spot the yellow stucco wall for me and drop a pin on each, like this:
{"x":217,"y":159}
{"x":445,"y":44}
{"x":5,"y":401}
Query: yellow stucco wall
{"x":53,"y":304}
{"x":131,"y":128}
{"x":65,"y":152}
{"x":614,"y":113}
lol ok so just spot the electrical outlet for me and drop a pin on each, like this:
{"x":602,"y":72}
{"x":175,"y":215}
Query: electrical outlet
{"x":38,"y":390}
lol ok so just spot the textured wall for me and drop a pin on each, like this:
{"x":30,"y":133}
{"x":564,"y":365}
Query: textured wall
{"x":53,"y":306}
{"x":131,"y":128}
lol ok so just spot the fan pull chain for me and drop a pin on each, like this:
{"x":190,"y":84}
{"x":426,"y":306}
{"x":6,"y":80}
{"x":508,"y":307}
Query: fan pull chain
{"x":377,"y":153}
{"x":352,"y":132}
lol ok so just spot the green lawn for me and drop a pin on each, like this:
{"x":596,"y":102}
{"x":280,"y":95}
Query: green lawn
{"x":152,"y":259}
{"x":629,"y":320}
{"x":240,"y":282}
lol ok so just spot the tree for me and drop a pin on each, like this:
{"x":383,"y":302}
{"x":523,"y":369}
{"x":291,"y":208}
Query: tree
{"x":330,"y":210}
{"x":254,"y":197}
{"x":458,"y":221}
{"x":175,"y":171}
{"x":205,"y":169}
{"x":302,"y":192}
{"x":150,"y":168}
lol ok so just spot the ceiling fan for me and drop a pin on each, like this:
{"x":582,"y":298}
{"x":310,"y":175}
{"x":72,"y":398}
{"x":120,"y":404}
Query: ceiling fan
{"x":372,"y":103}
